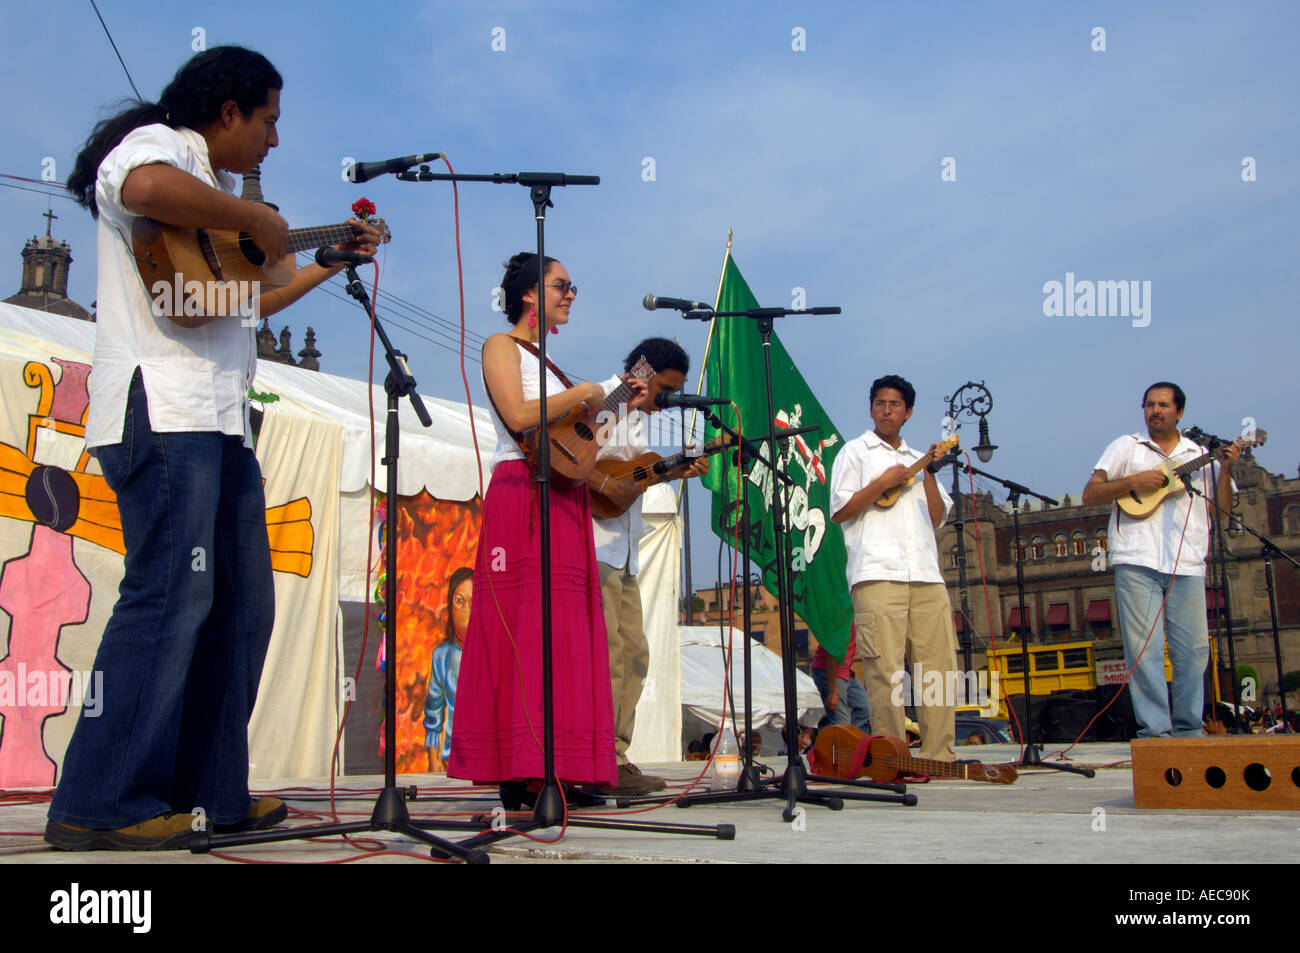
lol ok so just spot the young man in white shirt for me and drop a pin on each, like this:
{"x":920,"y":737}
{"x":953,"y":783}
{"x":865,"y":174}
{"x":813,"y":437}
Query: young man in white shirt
{"x":617,"y":540}
{"x":1159,"y":564}
{"x":900,"y":604}
{"x":182,"y":654}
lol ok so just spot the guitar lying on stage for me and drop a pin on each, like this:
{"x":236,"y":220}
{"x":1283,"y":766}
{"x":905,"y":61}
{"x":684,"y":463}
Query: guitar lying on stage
{"x":843,"y":751}
{"x":890,"y":497}
{"x":206,"y":257}
{"x":1140,"y":505}
{"x":646,"y":470}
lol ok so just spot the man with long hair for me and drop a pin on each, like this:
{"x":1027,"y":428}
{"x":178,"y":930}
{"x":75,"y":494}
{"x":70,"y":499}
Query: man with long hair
{"x":182,"y":654}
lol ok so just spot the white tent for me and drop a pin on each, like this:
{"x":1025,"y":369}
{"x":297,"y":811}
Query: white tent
{"x":704,"y":666}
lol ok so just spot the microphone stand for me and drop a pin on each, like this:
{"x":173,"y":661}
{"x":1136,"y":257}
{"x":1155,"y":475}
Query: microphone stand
{"x":793,"y":783}
{"x":1267,"y":551}
{"x":1032,"y":751}
{"x":389,"y":813}
{"x":1219,"y":559}
{"x":549,"y":810}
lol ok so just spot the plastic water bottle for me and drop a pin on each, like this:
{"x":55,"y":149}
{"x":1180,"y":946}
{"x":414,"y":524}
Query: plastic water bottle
{"x":726,"y":763}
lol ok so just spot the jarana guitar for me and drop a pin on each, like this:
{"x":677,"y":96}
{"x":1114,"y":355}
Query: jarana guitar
{"x":1140,"y":505}
{"x":646,"y":470}
{"x":576,"y":437}
{"x":843,"y":751}
{"x":213,"y":262}
{"x":890,"y":497}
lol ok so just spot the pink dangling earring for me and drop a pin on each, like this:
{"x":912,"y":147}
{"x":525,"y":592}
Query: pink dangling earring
{"x":555,"y":329}
{"x":532,"y":318}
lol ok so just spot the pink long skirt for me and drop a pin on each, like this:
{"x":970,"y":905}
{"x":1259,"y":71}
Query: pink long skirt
{"x":497,"y":733}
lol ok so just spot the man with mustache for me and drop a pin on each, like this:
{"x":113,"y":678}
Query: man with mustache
{"x":1159,"y":564}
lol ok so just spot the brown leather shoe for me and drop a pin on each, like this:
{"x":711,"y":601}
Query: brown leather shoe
{"x":632,"y":783}
{"x":164,"y":832}
{"x":263,"y":812}
{"x":630,"y":771}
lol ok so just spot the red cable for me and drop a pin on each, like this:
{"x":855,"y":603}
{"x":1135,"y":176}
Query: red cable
{"x":1150,"y":632}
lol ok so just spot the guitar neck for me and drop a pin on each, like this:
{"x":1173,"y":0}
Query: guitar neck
{"x":683,"y":459}
{"x":925,"y":461}
{"x":1191,"y":466}
{"x":301,"y":239}
{"x":935,"y":769}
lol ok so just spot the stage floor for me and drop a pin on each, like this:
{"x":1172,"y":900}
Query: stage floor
{"x":1045,"y":817}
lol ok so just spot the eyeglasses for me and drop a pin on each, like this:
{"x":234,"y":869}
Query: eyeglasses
{"x":889,"y":404}
{"x":563,"y":286}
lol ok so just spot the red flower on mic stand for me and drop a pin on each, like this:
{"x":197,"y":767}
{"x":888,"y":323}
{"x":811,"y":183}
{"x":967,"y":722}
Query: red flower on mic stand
{"x":363,"y":208}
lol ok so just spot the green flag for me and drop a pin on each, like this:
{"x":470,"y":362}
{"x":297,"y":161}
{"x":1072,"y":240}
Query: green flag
{"x":817,"y":559}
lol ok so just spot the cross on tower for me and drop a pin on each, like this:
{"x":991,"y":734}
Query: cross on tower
{"x":50,"y":217}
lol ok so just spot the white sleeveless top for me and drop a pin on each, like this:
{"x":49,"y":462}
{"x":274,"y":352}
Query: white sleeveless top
{"x":507,"y":449}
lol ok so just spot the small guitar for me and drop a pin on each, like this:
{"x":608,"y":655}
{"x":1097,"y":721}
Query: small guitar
{"x":842,"y":751}
{"x":646,"y":470}
{"x":213,"y":271}
{"x":1140,"y":505}
{"x":576,"y":437}
{"x":890,"y":496}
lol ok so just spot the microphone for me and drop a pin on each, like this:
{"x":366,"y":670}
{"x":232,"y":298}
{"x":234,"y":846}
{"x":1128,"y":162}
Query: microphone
{"x":665,"y":401}
{"x":935,"y":466}
{"x":329,"y":257}
{"x":653,"y":302}
{"x":360,"y":172}
{"x":1197,"y":435}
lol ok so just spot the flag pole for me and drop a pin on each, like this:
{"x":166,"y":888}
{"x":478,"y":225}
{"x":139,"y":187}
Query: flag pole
{"x":708,"y":345}
{"x":683,"y":502}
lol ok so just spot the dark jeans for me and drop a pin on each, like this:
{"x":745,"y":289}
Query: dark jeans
{"x":182,"y":654}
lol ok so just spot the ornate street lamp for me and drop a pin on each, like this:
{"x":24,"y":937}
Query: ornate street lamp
{"x":972,"y":401}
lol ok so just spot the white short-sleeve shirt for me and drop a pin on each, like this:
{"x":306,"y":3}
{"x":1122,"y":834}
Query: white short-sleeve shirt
{"x":618,"y":539}
{"x":196,"y":379}
{"x":1154,"y":542}
{"x":895,"y":543}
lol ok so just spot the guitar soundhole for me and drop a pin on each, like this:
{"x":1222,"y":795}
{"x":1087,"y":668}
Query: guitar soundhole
{"x":583,"y":431}
{"x":639,"y":474}
{"x":250,"y":251}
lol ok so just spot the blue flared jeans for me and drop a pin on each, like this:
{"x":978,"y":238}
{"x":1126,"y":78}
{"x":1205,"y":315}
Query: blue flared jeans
{"x":1139,"y":591}
{"x":181,"y":655}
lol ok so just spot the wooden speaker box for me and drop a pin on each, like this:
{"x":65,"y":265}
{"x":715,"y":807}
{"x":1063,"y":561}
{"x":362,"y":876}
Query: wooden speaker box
{"x":1242,"y":773}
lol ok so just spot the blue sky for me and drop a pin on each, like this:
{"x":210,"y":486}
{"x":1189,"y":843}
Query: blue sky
{"x":1117,"y":165}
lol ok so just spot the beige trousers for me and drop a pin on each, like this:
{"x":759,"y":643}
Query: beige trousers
{"x":629,"y":650}
{"x":897,"y":621}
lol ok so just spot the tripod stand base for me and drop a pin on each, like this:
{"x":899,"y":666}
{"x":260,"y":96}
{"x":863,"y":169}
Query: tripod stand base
{"x":1032,"y":759}
{"x":389,"y":814}
{"x":792,"y":788}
